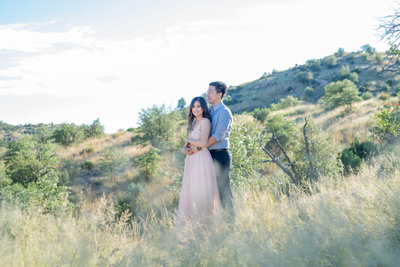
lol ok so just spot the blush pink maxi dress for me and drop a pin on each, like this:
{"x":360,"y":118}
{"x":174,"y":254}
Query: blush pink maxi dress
{"x":199,"y":199}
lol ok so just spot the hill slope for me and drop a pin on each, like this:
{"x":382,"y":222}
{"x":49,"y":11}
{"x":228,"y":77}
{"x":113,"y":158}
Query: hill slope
{"x":375,"y":72}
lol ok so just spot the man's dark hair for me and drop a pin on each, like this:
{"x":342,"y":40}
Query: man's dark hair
{"x":220,"y":87}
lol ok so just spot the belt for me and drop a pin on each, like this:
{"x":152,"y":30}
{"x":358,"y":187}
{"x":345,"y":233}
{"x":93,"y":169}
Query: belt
{"x":218,"y":150}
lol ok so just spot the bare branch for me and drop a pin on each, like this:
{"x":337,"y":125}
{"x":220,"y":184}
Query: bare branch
{"x":314,"y":174}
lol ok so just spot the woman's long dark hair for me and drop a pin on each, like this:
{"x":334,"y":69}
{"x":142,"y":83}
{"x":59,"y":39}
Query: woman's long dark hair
{"x":206,"y":111}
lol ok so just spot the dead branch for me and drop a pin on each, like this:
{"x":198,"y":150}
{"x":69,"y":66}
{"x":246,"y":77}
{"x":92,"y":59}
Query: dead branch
{"x":314,"y":174}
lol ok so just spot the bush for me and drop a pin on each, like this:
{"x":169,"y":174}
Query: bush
{"x":378,"y":58}
{"x":157,"y":125}
{"x":323,"y":152}
{"x":309,"y":91}
{"x":304,"y":76}
{"x":27,"y":161}
{"x":340,"y":52}
{"x":314,"y":64}
{"x":366,"y":95}
{"x":31,"y":177}
{"x":113,"y":162}
{"x":245,"y":148}
{"x":289,"y":101}
{"x":87,"y":165}
{"x":385,"y":87}
{"x":383,"y":96}
{"x":127,"y":202}
{"x":350,"y":160}
{"x":353,"y":156}
{"x":388,"y":119}
{"x":260,"y":114}
{"x":330,"y":61}
{"x":344,"y":71}
{"x":368,"y":49}
{"x":93,"y":130}
{"x":353,"y":77}
{"x":150,"y":163}
{"x":67,"y":134}
{"x":340,"y":93}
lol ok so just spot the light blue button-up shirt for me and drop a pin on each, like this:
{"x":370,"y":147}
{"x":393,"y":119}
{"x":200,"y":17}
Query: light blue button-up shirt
{"x":221,"y":125}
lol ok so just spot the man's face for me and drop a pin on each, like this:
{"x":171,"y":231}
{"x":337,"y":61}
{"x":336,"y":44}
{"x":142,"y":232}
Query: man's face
{"x":212,"y":95}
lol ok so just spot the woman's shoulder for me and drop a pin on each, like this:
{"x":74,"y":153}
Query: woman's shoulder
{"x":205,"y":121}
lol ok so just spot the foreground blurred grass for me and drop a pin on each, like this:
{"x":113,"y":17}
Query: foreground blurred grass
{"x":350,"y":222}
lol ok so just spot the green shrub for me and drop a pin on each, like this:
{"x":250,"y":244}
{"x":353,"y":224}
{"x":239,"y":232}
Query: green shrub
{"x":314,"y":64}
{"x":378,"y":58}
{"x":112,"y":162}
{"x":366,"y":95}
{"x":87,"y":165}
{"x":260,"y":114}
{"x":350,"y":160}
{"x":344,"y":71}
{"x":93,"y":130}
{"x":383,"y":96}
{"x":385,"y":87}
{"x":289,"y":101}
{"x":340,"y":52}
{"x":158,"y":125}
{"x":388,"y":119}
{"x":330,"y":61}
{"x":368,"y":49}
{"x":309,"y":91}
{"x":68,"y":134}
{"x":127,"y":202}
{"x":353,"y":156}
{"x":340,"y":93}
{"x":27,"y":161}
{"x":353,"y":77}
{"x":150,"y":163}
{"x":304,"y":76}
{"x":245,"y":148}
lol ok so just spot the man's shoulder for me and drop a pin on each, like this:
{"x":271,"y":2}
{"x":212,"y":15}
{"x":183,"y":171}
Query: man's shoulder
{"x":226,"y":110}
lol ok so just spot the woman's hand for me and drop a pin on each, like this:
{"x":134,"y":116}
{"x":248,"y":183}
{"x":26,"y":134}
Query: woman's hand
{"x":185,"y":151}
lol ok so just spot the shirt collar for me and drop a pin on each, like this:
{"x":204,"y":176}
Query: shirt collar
{"x":220,"y":104}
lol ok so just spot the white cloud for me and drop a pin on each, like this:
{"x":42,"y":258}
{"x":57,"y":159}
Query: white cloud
{"x":122,"y":76}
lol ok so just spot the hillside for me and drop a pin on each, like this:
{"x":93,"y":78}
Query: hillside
{"x":371,"y":72}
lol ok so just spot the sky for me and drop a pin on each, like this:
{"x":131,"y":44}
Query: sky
{"x":75,"y":61}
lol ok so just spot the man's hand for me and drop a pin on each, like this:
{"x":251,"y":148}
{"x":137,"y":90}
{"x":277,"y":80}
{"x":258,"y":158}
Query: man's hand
{"x":193,"y":149}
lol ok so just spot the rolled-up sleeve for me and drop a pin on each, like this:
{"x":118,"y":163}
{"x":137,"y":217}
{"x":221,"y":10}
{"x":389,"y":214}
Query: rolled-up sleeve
{"x":224,"y":119}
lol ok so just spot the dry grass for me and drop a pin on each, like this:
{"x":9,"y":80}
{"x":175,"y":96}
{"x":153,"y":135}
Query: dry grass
{"x":350,"y":222}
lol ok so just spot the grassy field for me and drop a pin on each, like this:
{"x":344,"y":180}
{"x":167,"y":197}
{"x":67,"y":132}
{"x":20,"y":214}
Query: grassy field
{"x":353,"y":221}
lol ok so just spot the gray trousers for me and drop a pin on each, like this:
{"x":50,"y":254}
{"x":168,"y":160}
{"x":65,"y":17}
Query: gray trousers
{"x":222,"y":160}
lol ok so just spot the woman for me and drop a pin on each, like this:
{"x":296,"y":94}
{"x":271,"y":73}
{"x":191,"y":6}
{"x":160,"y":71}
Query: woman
{"x":199,"y":198}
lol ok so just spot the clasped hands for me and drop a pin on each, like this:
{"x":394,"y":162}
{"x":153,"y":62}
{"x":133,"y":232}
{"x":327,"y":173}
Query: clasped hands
{"x":189,"y":149}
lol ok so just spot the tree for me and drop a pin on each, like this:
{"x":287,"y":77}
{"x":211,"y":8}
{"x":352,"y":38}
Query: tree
{"x":94,"y":130}
{"x":67,"y":134}
{"x":389,"y":29}
{"x":157,"y":125}
{"x":181,"y":103}
{"x":27,"y":161}
{"x":368,"y":49}
{"x":340,"y":52}
{"x":340,"y":93}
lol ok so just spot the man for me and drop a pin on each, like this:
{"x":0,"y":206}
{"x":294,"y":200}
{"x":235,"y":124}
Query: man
{"x":218,"y":143}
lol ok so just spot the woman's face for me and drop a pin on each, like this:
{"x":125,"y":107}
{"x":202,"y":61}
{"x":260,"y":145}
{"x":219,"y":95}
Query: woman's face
{"x":196,"y":109}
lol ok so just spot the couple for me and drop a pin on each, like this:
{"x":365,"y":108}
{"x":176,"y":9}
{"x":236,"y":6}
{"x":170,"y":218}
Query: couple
{"x":206,"y":179}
